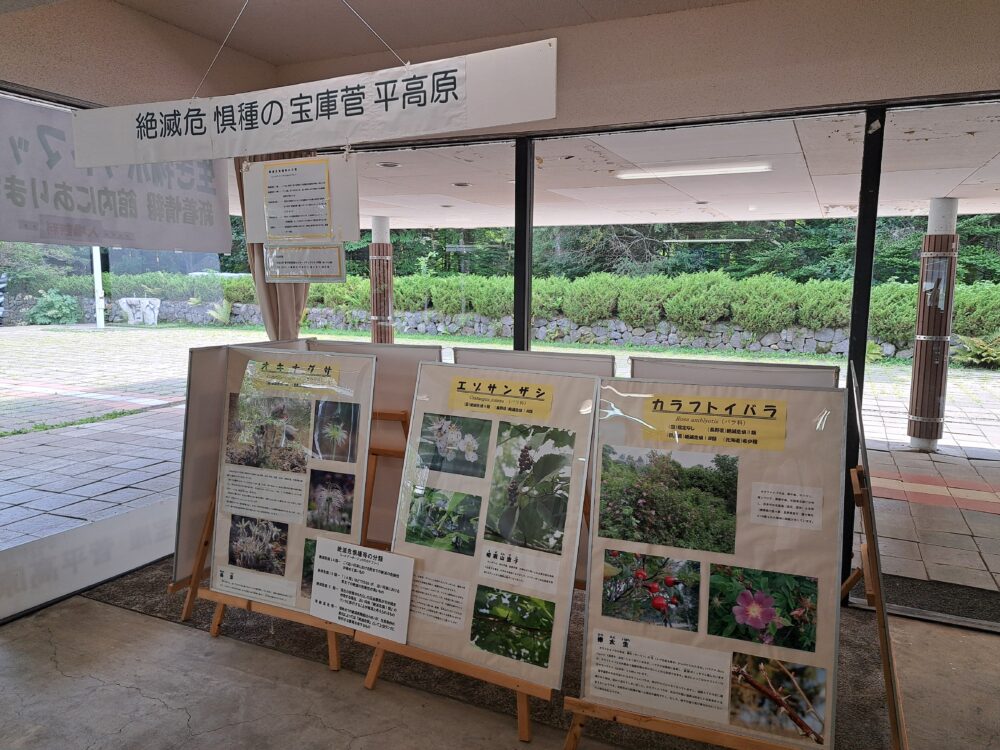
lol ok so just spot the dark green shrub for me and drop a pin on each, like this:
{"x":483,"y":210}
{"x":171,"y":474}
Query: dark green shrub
{"x":491,"y":296}
{"x":450,"y":294}
{"x":592,"y":298}
{"x":74,"y":286}
{"x":980,"y":352}
{"x":54,"y":308}
{"x":977,"y":309}
{"x":765,"y":303}
{"x":547,"y":295}
{"x":696,"y":299}
{"x":825,"y":304}
{"x":640,"y":300}
{"x":240,"y":289}
{"x":352,"y":294}
{"x":411,"y":293}
{"x":893,"y":316}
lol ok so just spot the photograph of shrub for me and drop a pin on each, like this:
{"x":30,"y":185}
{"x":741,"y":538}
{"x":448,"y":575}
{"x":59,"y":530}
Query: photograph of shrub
{"x":653,"y":590}
{"x":529,"y":494}
{"x":308,"y":561}
{"x":444,"y":520}
{"x":267,"y":432}
{"x":513,"y":625}
{"x":335,"y":431}
{"x":455,"y":445}
{"x":331,"y":501}
{"x":674,"y":498}
{"x":258,"y":544}
{"x":761,"y":606}
{"x":778,"y":697}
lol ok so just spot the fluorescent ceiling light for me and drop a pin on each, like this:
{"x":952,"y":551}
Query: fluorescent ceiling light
{"x":694,"y":170}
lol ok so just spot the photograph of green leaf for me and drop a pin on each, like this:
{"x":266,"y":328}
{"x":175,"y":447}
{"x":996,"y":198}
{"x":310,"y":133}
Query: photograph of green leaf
{"x":443,"y":520}
{"x":331,"y":501}
{"x":675,"y":498}
{"x":761,"y":606}
{"x":258,"y":544}
{"x":268,"y":432}
{"x":308,"y":562}
{"x":513,"y":625}
{"x":649,"y":589}
{"x":529,"y":493}
{"x":454,"y":445}
{"x":778,"y":697}
{"x":335,"y":431}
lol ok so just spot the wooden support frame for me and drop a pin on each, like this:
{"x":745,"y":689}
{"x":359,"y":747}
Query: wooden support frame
{"x":374,"y":451}
{"x":523,"y":689}
{"x":196,"y":591}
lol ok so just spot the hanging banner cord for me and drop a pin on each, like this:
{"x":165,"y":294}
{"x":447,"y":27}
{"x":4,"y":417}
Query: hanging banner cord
{"x":221,"y":47}
{"x":368,"y":26}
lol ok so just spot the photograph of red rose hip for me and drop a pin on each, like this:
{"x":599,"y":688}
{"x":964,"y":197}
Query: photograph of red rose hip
{"x":649,"y":589}
{"x":762,"y":606}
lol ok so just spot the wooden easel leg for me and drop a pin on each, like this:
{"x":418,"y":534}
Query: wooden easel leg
{"x":220,"y":610}
{"x":523,"y":718}
{"x":333,"y":650}
{"x":374,"y":668}
{"x":575,"y":732}
{"x":366,"y":512}
{"x":199,"y":563}
{"x":852,"y":579}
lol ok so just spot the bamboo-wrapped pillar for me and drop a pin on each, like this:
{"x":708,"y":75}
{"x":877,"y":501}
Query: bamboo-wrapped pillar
{"x":935,"y":303}
{"x":380,"y":273}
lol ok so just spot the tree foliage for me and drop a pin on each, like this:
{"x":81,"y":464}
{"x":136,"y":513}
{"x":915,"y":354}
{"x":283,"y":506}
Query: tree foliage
{"x":513,"y":625}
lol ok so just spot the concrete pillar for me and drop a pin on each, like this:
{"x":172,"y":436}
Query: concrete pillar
{"x":380,"y":272}
{"x":935,"y":303}
{"x":95,"y":260}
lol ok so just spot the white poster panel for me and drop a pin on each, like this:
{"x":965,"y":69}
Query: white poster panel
{"x":498,"y":87}
{"x":362,"y":588}
{"x":307,"y":263}
{"x":294,"y":451}
{"x":490,"y":508}
{"x":44,"y":197}
{"x":714,"y":581}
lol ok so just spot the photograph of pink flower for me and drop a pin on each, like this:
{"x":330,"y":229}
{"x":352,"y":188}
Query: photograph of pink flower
{"x":761,"y":606}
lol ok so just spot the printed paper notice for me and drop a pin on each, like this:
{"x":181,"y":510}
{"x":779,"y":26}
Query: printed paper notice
{"x":513,"y":399}
{"x":519,"y":566}
{"x":275,"y":495}
{"x":319,"y":263}
{"x":660,"y":676}
{"x":257,"y":586}
{"x":438,"y":599}
{"x":723,"y":422}
{"x":362,"y":588}
{"x":787,"y":505}
{"x":297,"y":200}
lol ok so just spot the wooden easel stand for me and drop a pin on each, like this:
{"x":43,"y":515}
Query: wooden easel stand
{"x":522,"y":688}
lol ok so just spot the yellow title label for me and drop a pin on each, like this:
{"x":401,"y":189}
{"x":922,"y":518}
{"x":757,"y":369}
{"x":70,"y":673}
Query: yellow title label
{"x":291,"y":378}
{"x":505,"y":397}
{"x":730,"y":423}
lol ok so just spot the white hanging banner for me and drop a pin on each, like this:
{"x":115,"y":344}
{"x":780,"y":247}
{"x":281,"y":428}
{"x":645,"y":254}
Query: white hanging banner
{"x":44,"y":198}
{"x":498,"y":87}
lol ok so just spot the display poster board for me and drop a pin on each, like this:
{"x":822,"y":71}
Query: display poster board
{"x":714,"y":585}
{"x":291,"y":470}
{"x":490,"y":507}
{"x":715,"y":372}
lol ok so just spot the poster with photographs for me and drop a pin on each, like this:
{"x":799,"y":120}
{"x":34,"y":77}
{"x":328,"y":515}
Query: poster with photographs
{"x":490,"y":507}
{"x":294,"y":453}
{"x":714,"y":580}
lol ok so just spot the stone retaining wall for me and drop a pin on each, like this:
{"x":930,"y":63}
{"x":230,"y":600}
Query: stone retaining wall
{"x":720,"y":336}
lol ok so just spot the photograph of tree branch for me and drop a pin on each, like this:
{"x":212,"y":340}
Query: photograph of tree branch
{"x":443,"y":520}
{"x":513,"y":625}
{"x":675,"y":498}
{"x":761,"y":606}
{"x":779,"y":697}
{"x":267,"y":432}
{"x":529,"y":494}
{"x":649,"y":589}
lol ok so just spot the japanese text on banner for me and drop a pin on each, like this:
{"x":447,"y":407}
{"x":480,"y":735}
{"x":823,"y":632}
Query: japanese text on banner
{"x":294,"y":378}
{"x":737,"y":423}
{"x":503,"y":397}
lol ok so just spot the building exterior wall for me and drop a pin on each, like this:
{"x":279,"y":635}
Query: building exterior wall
{"x":102,"y":52}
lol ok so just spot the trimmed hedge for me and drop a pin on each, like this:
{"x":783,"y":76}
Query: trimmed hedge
{"x":761,"y":304}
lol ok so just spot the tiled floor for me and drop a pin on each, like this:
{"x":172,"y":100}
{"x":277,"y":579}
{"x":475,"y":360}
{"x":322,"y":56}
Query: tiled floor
{"x":938,"y":517}
{"x":57,"y":480}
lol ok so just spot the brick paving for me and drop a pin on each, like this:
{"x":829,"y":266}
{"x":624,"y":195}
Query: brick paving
{"x":938,"y":515}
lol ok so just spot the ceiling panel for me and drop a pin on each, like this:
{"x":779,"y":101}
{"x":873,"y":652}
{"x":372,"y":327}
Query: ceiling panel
{"x":832,"y":145}
{"x":941,"y":137}
{"x":788,"y":175}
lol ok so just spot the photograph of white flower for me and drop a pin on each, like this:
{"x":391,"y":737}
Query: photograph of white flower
{"x":455,"y":445}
